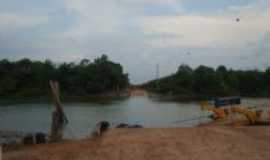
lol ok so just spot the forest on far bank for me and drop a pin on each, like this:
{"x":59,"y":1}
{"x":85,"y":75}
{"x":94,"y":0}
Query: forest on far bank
{"x":26,"y":78}
{"x":205,"y":81}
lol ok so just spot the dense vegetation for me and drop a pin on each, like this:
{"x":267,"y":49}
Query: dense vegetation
{"x":30,"y":78}
{"x":206,"y":81}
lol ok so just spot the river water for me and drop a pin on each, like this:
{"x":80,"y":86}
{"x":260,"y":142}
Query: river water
{"x":36,"y":117}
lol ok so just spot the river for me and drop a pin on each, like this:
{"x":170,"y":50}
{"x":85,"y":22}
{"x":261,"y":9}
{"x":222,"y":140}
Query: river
{"x":36,"y":117}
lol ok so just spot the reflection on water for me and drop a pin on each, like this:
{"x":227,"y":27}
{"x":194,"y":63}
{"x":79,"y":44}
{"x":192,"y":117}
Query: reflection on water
{"x":83,"y":116}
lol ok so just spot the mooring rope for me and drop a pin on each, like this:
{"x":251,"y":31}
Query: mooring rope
{"x":191,"y":119}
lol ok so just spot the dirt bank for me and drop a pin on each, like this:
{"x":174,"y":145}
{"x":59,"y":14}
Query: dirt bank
{"x":203,"y":143}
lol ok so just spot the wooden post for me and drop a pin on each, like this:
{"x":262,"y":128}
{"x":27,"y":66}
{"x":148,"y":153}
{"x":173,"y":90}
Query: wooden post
{"x":59,"y":118}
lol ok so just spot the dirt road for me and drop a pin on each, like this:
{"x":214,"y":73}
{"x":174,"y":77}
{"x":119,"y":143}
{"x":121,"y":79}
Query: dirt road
{"x":199,"y":143}
{"x":138,"y":92}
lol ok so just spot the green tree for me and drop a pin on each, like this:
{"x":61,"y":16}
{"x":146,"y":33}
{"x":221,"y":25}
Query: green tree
{"x":30,"y":78}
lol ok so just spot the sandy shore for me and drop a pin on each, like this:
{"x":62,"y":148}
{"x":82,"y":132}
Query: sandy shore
{"x":203,"y":143}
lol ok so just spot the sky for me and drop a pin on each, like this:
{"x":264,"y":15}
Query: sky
{"x":139,"y":34}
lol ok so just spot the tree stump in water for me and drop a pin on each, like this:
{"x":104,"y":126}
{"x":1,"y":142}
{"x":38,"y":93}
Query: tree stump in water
{"x":57,"y":127}
{"x":59,"y":119}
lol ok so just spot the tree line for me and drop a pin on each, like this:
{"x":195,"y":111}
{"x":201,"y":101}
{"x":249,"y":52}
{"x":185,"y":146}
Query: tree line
{"x":205,"y":81}
{"x":31,"y":78}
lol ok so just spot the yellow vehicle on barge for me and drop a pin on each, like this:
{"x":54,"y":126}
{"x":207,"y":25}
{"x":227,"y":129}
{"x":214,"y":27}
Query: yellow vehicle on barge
{"x":225,"y":110}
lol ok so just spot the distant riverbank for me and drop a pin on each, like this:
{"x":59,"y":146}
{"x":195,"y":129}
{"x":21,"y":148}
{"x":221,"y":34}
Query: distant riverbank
{"x":194,"y":98}
{"x":176,"y":98}
{"x":105,"y":96}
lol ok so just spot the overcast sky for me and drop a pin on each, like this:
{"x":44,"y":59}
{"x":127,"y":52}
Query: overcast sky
{"x":139,"y":34}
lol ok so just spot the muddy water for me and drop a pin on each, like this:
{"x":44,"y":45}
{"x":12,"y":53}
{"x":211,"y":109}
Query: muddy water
{"x":35,"y":117}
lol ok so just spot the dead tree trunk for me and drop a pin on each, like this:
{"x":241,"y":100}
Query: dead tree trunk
{"x":59,"y":119}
